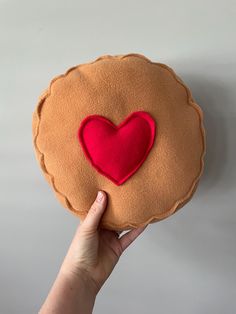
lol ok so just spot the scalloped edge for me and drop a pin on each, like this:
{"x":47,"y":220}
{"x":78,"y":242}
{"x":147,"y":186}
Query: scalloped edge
{"x":109,"y":225}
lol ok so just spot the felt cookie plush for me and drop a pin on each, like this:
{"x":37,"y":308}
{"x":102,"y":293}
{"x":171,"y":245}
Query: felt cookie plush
{"x":125,"y":125}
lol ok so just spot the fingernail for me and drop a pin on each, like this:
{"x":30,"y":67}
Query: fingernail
{"x":100,"y":196}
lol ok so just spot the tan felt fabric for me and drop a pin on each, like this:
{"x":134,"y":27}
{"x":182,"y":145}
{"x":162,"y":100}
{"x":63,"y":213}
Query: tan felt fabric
{"x":114,"y":87}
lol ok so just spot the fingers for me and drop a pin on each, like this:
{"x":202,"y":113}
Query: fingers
{"x":91,"y":221}
{"x":130,"y":236}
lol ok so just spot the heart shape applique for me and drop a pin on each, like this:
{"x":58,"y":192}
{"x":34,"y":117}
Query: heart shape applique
{"x":117,"y":152}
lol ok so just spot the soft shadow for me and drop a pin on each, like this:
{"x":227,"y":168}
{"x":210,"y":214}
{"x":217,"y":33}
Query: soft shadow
{"x":213,"y":99}
{"x":204,"y":231}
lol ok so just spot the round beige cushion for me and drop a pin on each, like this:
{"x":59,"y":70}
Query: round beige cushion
{"x":114,"y":87}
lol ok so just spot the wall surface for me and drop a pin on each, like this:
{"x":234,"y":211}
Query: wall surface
{"x":185,"y":264}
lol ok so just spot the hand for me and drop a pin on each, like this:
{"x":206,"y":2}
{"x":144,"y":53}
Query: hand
{"x":94,"y":252}
{"x":90,"y":260}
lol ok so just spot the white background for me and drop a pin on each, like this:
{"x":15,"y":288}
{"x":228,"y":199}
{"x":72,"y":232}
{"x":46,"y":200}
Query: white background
{"x":184,"y":264}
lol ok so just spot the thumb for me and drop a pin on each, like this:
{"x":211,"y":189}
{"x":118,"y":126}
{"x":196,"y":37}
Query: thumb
{"x":91,"y":221}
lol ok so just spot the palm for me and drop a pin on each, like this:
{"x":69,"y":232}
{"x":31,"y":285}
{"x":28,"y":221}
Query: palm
{"x":97,"y":250}
{"x":109,"y":250}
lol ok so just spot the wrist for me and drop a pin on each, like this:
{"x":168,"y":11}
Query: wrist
{"x":70,"y":294}
{"x":79,"y":278}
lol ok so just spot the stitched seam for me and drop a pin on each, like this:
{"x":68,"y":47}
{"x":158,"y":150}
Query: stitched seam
{"x":177,"y":203}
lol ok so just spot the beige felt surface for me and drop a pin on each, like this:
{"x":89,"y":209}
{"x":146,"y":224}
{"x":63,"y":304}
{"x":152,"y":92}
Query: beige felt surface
{"x":114,"y":87}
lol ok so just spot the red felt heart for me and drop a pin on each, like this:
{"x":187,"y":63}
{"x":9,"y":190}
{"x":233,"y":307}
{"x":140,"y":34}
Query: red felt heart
{"x":117,"y":151}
